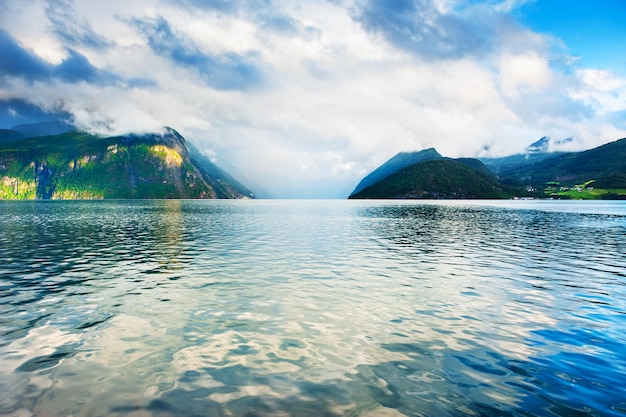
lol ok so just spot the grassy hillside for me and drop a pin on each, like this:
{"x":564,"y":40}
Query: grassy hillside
{"x":76,"y":165}
{"x":599,"y":172}
{"x":437,"y":179}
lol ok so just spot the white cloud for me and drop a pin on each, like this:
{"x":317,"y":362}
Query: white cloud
{"x":333,"y":100}
{"x":602,"y":90}
{"x":522,"y":74}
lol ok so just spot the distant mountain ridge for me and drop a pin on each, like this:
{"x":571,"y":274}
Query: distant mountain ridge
{"x":547,"y":144}
{"x":77,"y":165}
{"x":543,"y":148}
{"x":49,"y":128}
{"x":598,"y":164}
{"x":538,"y":173}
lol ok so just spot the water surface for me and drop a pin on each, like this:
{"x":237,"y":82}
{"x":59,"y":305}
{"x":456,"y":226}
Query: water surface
{"x":312,"y":308}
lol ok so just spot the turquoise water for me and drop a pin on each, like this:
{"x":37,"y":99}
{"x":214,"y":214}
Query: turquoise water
{"x":312,"y":308}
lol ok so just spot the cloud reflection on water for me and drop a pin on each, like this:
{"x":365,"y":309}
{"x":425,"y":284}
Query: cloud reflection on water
{"x":270,"y":308}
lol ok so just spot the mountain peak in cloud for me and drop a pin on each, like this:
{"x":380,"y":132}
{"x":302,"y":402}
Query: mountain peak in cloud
{"x":547,"y":144}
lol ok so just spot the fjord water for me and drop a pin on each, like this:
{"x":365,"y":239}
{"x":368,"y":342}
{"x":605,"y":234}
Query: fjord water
{"x":312,"y":308}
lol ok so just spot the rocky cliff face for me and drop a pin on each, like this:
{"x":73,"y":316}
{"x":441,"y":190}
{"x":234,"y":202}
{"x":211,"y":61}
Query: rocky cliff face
{"x":75,"y":165}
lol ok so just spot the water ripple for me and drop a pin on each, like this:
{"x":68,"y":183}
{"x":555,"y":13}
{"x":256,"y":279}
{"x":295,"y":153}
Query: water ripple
{"x":312,"y":308}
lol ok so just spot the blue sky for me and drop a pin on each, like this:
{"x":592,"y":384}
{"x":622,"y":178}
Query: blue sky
{"x":591,"y":30}
{"x":302,"y":99}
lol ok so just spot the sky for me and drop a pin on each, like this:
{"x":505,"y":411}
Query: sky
{"x":302,"y":99}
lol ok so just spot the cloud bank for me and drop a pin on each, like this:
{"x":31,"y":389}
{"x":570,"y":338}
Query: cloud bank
{"x":304,"y":99}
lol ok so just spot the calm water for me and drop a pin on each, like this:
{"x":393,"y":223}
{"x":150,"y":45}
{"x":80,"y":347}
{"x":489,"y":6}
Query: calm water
{"x":312,"y":308}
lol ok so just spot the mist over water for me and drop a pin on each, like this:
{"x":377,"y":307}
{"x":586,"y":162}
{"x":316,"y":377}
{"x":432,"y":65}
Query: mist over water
{"x":312,"y":308}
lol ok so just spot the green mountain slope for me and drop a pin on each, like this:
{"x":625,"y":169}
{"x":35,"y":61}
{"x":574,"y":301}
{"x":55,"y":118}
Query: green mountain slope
{"x":395,"y":164}
{"x":535,"y":152}
{"x":504,"y":165}
{"x":9,"y":135}
{"x":606,"y":163}
{"x":76,"y":165}
{"x":223,"y":183}
{"x":436,"y":179}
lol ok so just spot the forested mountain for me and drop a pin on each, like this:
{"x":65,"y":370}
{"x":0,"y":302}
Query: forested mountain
{"x":395,"y":164}
{"x":595,"y":173}
{"x":436,"y":179}
{"x":77,"y":165}
{"x":597,"y":164}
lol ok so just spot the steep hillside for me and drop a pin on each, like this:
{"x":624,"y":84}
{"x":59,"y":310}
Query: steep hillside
{"x":395,"y":164}
{"x":436,"y":179}
{"x":606,"y":163}
{"x":76,"y":165}
{"x":223,"y":183}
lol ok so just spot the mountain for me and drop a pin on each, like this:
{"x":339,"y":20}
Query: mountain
{"x":404,"y":160}
{"x":77,"y":165}
{"x":49,"y":128}
{"x":9,"y":135}
{"x":593,"y":174}
{"x":544,"y":148}
{"x":503,"y":165}
{"x":223,"y":183}
{"x":540,"y":146}
{"x":546,"y":145}
{"x":395,"y":164}
{"x":605,"y":164}
{"x":436,"y":179}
